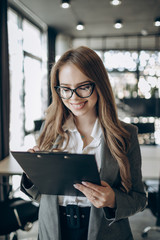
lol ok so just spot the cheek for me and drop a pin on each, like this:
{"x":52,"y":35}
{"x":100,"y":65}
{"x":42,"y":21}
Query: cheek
{"x":65,"y":102}
{"x":94,"y":97}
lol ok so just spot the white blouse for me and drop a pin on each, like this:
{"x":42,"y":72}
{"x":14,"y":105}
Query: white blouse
{"x":75,"y":145}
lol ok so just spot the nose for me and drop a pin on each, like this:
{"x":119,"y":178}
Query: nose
{"x":74,"y":95}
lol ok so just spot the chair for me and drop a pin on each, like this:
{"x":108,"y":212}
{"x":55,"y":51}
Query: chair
{"x":154,"y":206}
{"x":16,"y":213}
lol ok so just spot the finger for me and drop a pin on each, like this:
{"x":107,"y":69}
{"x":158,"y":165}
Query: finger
{"x":31,"y":150}
{"x":89,"y":193}
{"x":93,"y":186}
{"x":36,"y":148}
{"x":100,"y":192}
{"x":81,"y":188}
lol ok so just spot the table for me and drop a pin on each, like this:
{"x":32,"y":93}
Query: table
{"x":9,"y":166}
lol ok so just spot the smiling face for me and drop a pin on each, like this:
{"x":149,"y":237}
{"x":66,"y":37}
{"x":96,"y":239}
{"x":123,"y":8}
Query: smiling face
{"x":71,"y":77}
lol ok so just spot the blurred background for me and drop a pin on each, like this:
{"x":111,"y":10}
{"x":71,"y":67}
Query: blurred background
{"x":125,"y":34}
{"x":40,"y":31}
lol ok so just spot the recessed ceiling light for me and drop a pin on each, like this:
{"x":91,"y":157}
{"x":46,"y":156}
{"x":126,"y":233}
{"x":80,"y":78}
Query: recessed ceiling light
{"x":115,"y":2}
{"x":157,"y":21}
{"x":80,"y":26}
{"x":118,"y":24}
{"x":65,"y":4}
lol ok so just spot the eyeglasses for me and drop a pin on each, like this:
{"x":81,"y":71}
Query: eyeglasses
{"x":82,"y":91}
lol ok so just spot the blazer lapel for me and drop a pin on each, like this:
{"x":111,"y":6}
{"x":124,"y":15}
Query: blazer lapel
{"x":110,"y":173}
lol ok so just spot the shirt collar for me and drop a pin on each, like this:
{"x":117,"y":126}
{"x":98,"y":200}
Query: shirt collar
{"x":96,"y":131}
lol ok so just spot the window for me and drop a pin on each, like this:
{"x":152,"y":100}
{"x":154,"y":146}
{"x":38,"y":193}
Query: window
{"x":28,"y":77}
{"x":135,"y":76}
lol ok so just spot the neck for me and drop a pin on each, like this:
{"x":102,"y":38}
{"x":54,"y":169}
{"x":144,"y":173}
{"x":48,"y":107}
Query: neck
{"x":87,"y":119}
{"x":85,"y":125}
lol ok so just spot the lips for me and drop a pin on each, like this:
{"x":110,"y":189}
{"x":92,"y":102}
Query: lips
{"x":78,"y":106}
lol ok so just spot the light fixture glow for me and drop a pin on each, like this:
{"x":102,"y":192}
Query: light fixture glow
{"x":144,"y":32}
{"x":157,"y":22}
{"x":118,"y":24}
{"x":115,"y":2}
{"x":80,"y":26}
{"x":65,"y":4}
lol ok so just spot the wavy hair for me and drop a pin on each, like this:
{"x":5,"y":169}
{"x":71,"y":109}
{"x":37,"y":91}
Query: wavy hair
{"x":116,"y":137}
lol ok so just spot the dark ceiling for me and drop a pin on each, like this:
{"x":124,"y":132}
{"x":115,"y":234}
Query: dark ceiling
{"x":97,"y":15}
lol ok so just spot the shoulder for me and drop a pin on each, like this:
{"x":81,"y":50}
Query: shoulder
{"x":133,"y":131}
{"x":129,"y":127}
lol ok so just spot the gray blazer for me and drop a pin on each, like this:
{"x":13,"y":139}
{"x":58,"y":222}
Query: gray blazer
{"x":104,"y":223}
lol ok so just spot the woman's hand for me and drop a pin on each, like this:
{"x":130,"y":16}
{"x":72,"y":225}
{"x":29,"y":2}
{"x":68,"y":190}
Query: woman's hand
{"x":99,"y":196}
{"x":34,"y":149}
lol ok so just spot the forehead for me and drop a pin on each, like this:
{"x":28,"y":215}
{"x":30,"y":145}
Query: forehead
{"x":69,"y":74}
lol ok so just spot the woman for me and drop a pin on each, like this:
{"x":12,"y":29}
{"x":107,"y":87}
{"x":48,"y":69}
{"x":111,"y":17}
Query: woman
{"x":82,"y":118}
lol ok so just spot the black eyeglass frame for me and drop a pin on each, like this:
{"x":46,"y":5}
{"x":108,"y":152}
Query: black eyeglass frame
{"x":92,"y":84}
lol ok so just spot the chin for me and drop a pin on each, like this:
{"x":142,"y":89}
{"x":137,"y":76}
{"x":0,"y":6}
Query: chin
{"x":78,"y":113}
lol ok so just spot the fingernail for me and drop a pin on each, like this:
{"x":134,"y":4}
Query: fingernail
{"x":84,"y":183}
{"x":75,"y":185}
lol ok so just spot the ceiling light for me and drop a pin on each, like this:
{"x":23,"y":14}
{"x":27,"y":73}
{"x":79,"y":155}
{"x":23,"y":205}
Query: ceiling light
{"x":118,"y":24}
{"x":65,"y":3}
{"x":157,"y":21}
{"x":115,"y":2}
{"x":80,"y":26}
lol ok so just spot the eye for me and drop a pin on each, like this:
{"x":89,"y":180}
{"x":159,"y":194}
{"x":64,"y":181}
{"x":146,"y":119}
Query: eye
{"x":65,"y":90}
{"x":85,"y":87}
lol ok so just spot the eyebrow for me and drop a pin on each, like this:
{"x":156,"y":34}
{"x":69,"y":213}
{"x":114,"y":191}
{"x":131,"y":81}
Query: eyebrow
{"x":79,"y":84}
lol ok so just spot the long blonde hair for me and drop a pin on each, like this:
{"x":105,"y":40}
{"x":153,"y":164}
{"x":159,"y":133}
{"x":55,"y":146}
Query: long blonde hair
{"x":116,"y":137}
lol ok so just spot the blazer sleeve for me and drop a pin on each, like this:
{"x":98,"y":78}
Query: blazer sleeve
{"x":130,"y":203}
{"x":27,"y":187}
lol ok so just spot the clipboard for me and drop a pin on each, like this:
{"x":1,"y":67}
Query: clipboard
{"x":54,"y":173}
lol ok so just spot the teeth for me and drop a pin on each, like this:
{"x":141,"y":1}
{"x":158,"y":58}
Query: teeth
{"x":78,"y":105}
